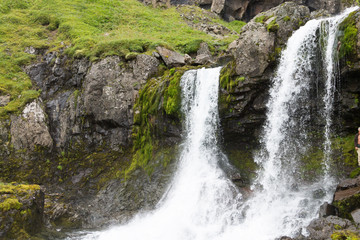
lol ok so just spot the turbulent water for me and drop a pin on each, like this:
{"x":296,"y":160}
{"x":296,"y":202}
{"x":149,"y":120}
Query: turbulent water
{"x":201,"y":203}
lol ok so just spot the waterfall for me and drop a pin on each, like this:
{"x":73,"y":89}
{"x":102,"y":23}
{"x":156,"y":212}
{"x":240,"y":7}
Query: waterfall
{"x":201,"y":203}
{"x":282,"y":203}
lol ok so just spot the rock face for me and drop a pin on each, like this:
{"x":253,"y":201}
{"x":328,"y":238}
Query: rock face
{"x":37,"y":133}
{"x":21,"y":211}
{"x":245,"y":83}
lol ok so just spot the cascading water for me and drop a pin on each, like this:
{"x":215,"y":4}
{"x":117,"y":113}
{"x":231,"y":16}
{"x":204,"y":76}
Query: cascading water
{"x":281,"y":204}
{"x":201,"y":203}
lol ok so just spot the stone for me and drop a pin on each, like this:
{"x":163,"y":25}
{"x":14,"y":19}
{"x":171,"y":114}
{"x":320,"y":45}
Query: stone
{"x":345,"y":194}
{"x":252,"y":50}
{"x":4,"y":100}
{"x":326,"y":210}
{"x":188,"y":59}
{"x":203,"y":55}
{"x":319,"y":193}
{"x":322,"y":228}
{"x":32,"y":119}
{"x":332,"y":6}
{"x":256,"y":44}
{"x":145,"y":66}
{"x":356,"y":215}
{"x":171,"y":58}
{"x":217,"y":6}
{"x":348,"y":183}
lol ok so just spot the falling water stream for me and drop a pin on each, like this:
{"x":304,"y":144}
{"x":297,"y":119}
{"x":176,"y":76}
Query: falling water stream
{"x":201,"y":203}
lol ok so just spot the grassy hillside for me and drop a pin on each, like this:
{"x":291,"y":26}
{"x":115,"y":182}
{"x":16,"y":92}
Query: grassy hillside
{"x":86,"y":28}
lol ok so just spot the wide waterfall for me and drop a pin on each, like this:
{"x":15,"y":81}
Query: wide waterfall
{"x":201,"y":203}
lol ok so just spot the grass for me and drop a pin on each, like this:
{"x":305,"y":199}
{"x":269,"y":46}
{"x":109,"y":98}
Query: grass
{"x":87,"y":28}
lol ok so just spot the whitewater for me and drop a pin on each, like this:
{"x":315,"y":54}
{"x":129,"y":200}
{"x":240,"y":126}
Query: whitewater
{"x":201,"y":203}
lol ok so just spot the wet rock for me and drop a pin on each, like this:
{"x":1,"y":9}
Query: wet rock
{"x":319,"y":193}
{"x":32,"y":119}
{"x":348,"y":183}
{"x":323,"y":228}
{"x":171,"y":58}
{"x":333,"y":6}
{"x":326,"y":210}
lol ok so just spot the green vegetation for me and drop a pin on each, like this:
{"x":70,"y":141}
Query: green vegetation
{"x":349,"y":38}
{"x":16,"y":205}
{"x":92,"y":29}
{"x":235,"y":25}
{"x":158,"y":97}
{"x":272,"y":26}
{"x":227,"y":79}
{"x":345,"y":235}
{"x":347,"y":205}
{"x":286,"y":18}
{"x":311,"y":164}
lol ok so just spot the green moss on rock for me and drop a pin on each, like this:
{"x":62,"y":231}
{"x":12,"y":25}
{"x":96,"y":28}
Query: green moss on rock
{"x":346,"y":206}
{"x":345,"y":235}
{"x":349,"y":38}
{"x":20,"y":210}
{"x":272,"y":26}
{"x":158,"y":98}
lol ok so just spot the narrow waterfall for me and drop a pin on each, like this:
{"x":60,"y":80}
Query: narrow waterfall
{"x":201,"y":203}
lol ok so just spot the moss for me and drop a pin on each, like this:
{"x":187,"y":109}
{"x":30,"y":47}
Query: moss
{"x":355,"y":173}
{"x":10,"y":203}
{"x":227,"y":80}
{"x":243,"y":160}
{"x":158,"y":98}
{"x":272,"y":26}
{"x":349,"y":37}
{"x":345,"y":235}
{"x":261,"y":19}
{"x":347,"y":205}
{"x":286,"y":18}
{"x":311,"y":164}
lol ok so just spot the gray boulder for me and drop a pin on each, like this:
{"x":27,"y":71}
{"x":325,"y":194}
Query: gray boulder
{"x":322,"y":228}
{"x":252,"y":49}
{"x":203,"y":55}
{"x":33,"y":121}
{"x":255,"y":47}
{"x":171,"y":58}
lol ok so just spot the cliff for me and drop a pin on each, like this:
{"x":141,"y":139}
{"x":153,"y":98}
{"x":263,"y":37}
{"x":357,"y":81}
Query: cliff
{"x":90,"y":105}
